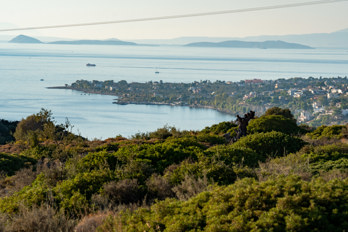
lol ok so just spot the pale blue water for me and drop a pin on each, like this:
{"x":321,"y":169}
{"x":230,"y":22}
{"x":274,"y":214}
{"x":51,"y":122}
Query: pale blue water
{"x":94,"y":116}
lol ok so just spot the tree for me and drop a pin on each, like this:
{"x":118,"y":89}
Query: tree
{"x":35,"y":127}
{"x":6,"y":130}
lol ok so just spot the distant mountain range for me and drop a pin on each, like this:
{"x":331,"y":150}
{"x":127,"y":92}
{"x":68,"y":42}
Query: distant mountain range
{"x":338,"y":39}
{"x":243,"y":44}
{"x":28,"y":39}
{"x":236,"y":44}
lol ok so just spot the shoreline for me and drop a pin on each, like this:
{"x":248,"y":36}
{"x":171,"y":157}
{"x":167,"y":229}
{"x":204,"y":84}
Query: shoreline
{"x":171,"y":104}
{"x":123,"y":102}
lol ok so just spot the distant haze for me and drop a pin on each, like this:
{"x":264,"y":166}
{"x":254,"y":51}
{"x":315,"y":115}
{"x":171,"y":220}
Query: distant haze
{"x":324,"y":18}
{"x":327,"y":40}
{"x":336,"y":39}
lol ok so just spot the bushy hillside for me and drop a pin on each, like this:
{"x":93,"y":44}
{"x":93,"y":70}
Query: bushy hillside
{"x":280,"y":177}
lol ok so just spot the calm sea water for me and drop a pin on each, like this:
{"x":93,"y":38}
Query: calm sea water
{"x":94,"y":116}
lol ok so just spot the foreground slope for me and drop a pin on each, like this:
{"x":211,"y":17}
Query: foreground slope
{"x":168,"y":180}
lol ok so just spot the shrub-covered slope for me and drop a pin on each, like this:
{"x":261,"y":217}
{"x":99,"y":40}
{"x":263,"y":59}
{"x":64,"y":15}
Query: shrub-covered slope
{"x":279,"y":178}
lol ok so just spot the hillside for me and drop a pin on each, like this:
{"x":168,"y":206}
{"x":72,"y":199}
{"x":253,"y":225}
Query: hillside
{"x":242,"y":44}
{"x":279,"y":176}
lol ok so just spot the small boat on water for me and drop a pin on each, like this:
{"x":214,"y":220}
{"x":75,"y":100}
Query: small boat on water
{"x":157,"y":72}
{"x":90,"y":65}
{"x":41,"y":79}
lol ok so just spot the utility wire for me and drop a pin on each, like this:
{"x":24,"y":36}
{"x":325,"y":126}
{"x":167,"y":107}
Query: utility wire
{"x":178,"y":16}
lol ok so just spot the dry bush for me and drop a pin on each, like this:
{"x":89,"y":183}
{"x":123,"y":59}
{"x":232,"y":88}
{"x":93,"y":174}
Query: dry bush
{"x":334,"y":174}
{"x":158,"y":187}
{"x":22,"y":178}
{"x":190,"y":187}
{"x":3,"y":221}
{"x":291,"y":164}
{"x":13,"y":148}
{"x":40,"y":219}
{"x":91,"y":222}
{"x":111,"y":223}
{"x":53,"y":170}
{"x":123,"y":192}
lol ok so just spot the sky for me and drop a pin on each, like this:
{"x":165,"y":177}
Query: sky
{"x":323,"y":18}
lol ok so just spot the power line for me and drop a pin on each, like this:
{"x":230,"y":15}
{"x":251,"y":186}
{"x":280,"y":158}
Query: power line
{"x":178,"y":16}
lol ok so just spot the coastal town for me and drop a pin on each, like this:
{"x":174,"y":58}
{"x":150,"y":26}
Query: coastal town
{"x":314,"y":101}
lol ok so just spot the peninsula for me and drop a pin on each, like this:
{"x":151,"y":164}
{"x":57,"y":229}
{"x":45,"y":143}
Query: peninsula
{"x":313,"y":101}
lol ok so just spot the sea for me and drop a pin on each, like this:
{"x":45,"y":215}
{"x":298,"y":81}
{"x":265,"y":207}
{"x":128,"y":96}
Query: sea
{"x":27,"y":69}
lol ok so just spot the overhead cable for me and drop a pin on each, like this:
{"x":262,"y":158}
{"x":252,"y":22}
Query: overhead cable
{"x":178,"y":16}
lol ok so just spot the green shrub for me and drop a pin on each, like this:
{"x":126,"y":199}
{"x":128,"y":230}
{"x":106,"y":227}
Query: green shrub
{"x":220,"y":128}
{"x":39,"y":151}
{"x":283,"y":204}
{"x":232,"y":155}
{"x":327,"y":152}
{"x":211,"y":139}
{"x":164,"y":154}
{"x":86,"y":183}
{"x":328,"y":157}
{"x":163,"y":133}
{"x":176,"y":173}
{"x":96,"y":161}
{"x":330,"y":132}
{"x":273,"y":123}
{"x":270,"y":144}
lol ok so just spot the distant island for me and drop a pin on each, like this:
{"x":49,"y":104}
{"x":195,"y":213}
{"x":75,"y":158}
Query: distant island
{"x":94,"y":42}
{"x":231,"y":43}
{"x":337,"y":39}
{"x":25,"y":39}
{"x":31,"y":40}
{"x":244,"y":44}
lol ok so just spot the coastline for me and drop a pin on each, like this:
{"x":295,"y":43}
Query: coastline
{"x":124,"y":102}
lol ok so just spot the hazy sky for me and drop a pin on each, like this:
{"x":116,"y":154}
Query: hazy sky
{"x":307,"y":19}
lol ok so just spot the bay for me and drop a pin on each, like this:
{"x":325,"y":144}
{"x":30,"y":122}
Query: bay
{"x":22,"y":66}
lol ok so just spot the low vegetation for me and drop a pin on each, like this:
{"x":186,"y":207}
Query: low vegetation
{"x":280,"y":177}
